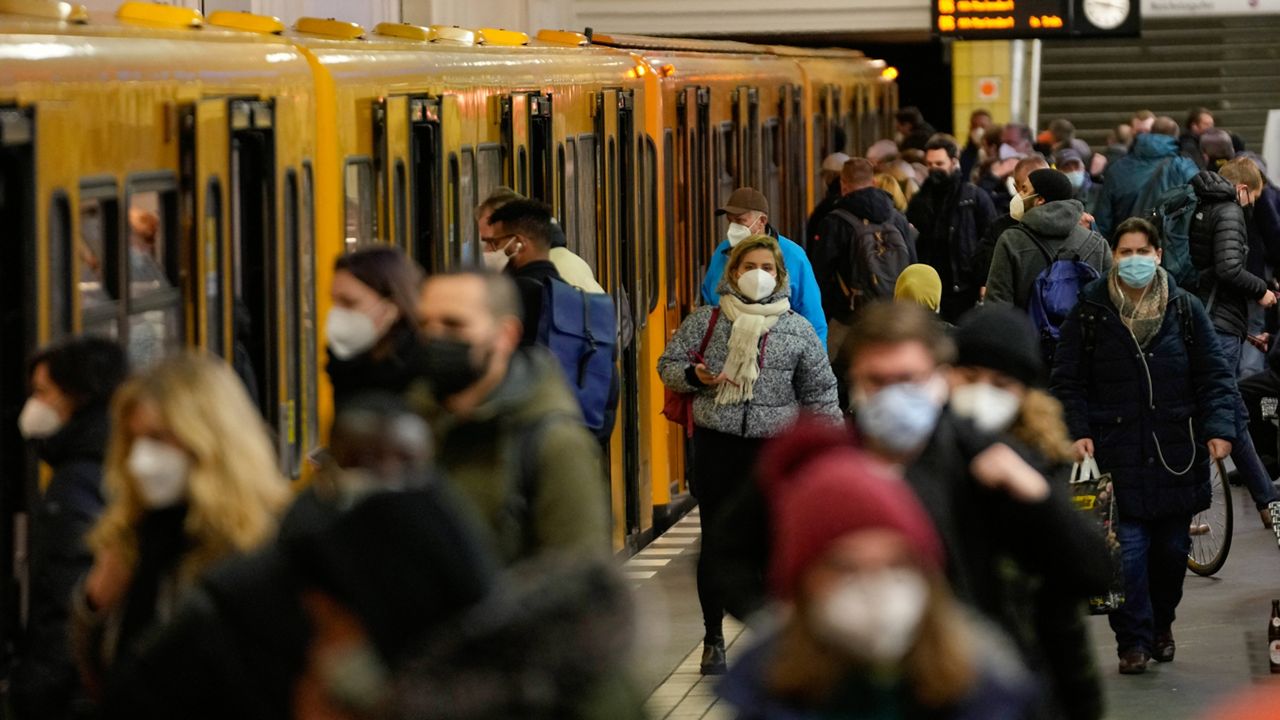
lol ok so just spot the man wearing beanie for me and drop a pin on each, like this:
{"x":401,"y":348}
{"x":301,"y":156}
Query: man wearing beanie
{"x":1049,"y":230}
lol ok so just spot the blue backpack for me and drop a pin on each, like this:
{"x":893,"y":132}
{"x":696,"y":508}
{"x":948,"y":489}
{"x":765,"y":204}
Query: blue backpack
{"x":1055,"y":292}
{"x":581,"y":330}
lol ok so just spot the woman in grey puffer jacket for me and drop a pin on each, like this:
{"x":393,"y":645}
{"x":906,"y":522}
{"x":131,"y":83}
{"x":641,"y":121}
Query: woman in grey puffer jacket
{"x":761,"y":365}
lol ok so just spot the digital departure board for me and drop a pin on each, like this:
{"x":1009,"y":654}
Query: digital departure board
{"x":991,"y":19}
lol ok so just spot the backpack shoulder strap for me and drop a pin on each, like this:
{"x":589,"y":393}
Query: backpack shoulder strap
{"x":1186,"y":319}
{"x":847,"y":216}
{"x":1044,"y":249}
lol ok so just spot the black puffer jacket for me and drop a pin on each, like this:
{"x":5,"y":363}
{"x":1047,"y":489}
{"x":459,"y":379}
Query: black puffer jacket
{"x":1219,"y":252}
{"x":1150,"y":412}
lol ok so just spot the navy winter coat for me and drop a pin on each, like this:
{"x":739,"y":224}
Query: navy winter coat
{"x":951,"y":217}
{"x":1150,"y":412}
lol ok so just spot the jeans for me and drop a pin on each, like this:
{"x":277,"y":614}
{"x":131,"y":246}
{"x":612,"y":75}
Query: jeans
{"x":1253,"y":360}
{"x":1243,"y":453}
{"x":1154,"y":556}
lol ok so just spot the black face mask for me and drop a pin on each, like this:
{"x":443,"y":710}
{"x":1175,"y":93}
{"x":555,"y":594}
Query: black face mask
{"x":940,"y":176}
{"x":448,"y":366}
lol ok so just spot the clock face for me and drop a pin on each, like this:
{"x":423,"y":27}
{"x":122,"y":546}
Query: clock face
{"x":1106,"y":14}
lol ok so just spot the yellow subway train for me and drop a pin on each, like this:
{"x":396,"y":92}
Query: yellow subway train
{"x":260,"y":153}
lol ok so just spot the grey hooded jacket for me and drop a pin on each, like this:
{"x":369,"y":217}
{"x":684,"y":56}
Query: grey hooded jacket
{"x":795,"y":375}
{"x":1017,"y":261}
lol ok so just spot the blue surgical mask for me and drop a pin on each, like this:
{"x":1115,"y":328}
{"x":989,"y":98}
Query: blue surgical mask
{"x":1077,"y":178}
{"x":1137,"y":270}
{"x":901,"y":417}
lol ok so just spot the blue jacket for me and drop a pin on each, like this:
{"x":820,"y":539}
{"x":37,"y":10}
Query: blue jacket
{"x":1124,"y":182}
{"x":1146,"y":432}
{"x":805,"y":297}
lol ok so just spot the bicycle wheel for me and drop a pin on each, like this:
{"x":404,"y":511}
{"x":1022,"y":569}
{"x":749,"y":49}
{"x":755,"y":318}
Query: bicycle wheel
{"x":1211,"y":529}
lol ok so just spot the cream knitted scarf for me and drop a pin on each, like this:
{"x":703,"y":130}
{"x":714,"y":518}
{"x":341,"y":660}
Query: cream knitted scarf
{"x":750,"y":322}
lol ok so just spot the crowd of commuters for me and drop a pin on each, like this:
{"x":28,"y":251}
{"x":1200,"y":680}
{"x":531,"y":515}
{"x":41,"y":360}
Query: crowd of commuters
{"x":884,"y":416}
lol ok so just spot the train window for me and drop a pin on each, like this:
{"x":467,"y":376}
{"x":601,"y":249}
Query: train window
{"x":522,"y":171}
{"x":669,"y":214}
{"x":726,"y":162}
{"x":819,"y":148}
{"x":97,"y":254}
{"x":850,"y":132}
{"x":456,"y":253}
{"x":291,"y":423}
{"x":401,"y":207}
{"x":469,"y":201}
{"x":772,"y":171}
{"x":60,"y":301}
{"x":650,"y":216}
{"x":587,"y":240}
{"x":569,"y":182}
{"x":154,"y":299}
{"x":215,"y":335}
{"x":488,"y":168}
{"x":360,"y":223}
{"x":560,"y":206}
{"x":306,"y":262}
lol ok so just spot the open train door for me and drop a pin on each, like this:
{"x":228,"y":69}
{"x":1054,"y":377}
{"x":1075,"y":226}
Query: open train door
{"x":205,"y":148}
{"x":391,"y":149}
{"x":18,"y":317}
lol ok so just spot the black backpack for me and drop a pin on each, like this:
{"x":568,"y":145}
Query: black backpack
{"x":872,"y":263}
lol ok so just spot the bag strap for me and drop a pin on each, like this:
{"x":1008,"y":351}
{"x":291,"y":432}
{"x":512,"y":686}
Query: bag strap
{"x":1186,"y":322}
{"x":1044,"y":249}
{"x":711,"y":327}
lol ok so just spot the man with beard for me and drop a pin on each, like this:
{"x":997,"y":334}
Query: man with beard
{"x":509,"y":432}
{"x":951,"y":215}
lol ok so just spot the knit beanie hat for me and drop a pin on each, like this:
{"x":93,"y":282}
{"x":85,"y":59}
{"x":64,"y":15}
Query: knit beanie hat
{"x":1052,"y":185}
{"x":819,"y":495}
{"x":404,"y":563}
{"x":1000,"y":338}
{"x":920,"y":284}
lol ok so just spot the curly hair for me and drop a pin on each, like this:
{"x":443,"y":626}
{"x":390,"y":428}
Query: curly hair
{"x":1040,"y":426}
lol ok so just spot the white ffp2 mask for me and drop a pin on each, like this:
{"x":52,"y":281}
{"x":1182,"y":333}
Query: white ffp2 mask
{"x":160,"y":472}
{"x":38,"y":420}
{"x":737,"y":233}
{"x":991,"y":409}
{"x":350,"y":332}
{"x":757,"y":284}
{"x":874,"y":616}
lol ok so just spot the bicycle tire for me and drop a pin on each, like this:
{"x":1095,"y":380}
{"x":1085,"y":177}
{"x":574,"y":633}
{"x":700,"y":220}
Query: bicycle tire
{"x":1209,"y":548}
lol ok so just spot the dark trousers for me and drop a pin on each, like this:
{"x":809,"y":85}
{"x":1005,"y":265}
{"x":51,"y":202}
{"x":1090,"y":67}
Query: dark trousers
{"x":1154,"y":556}
{"x":722,"y":464}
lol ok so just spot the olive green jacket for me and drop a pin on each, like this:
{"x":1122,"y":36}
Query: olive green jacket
{"x":483,"y":454}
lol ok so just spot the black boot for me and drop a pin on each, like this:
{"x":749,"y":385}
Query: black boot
{"x":713,"y":660}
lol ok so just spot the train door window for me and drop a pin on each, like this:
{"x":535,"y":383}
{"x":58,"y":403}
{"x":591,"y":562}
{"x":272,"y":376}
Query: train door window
{"x":254,"y":240}
{"x":291,"y":422}
{"x":819,"y":148}
{"x":430,"y":245}
{"x":772,"y":146}
{"x":669,"y":212}
{"x":569,"y":215}
{"x":360,"y":223}
{"x":650,"y":215}
{"x":98,"y":257}
{"x":488,"y":168}
{"x":60,"y":300}
{"x":468,"y":200}
{"x":541,"y":183}
{"x":587,"y":238}
{"x":522,"y":171}
{"x":728,"y":161}
{"x":212,"y":288}
{"x":401,"y":206}
{"x":155,"y":296}
{"x":306,"y":263}
{"x":456,"y":252}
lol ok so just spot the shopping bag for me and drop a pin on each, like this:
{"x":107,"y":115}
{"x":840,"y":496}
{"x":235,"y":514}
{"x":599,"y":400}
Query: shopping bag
{"x":1093,"y":493}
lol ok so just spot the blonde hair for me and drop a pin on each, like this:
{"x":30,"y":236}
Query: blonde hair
{"x":940,"y":667}
{"x":890,"y":184}
{"x":751,"y":244}
{"x":1040,"y":426}
{"x":235,"y":491}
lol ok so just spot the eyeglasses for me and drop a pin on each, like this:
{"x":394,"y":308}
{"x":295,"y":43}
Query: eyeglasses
{"x":497,"y":243}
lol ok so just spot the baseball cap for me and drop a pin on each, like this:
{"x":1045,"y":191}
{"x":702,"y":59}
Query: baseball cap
{"x":744,"y":200}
